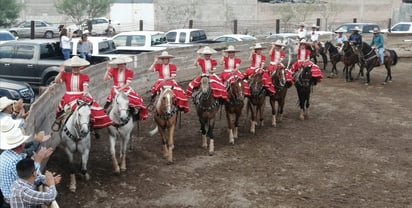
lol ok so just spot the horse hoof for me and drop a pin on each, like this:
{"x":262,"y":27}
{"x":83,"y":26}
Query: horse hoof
{"x":383,"y":83}
{"x":366,"y":84}
{"x":204,"y":146}
{"x":116,"y":173}
{"x":211,"y":153}
{"x":123,"y":169}
{"x":302,"y":118}
{"x":87,"y":177}
{"x":232,"y":142}
{"x":169,"y":162}
{"x":72,"y":189}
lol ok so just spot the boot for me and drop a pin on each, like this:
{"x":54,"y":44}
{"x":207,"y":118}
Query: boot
{"x":106,"y":106}
{"x":58,"y":122}
{"x":152,"y":100}
{"x":135,"y":113}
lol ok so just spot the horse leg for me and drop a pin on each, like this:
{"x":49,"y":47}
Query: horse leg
{"x":85,"y":159}
{"x":273,"y":105}
{"x":388,"y":73}
{"x":261,"y":108}
{"x":72,"y":185}
{"x":229,"y":127}
{"x":123,"y":148}
{"x":306,"y":114}
{"x":170,"y":145}
{"x":235,"y":130}
{"x":253,"y":116}
{"x":281,"y":104}
{"x":301,"y":104}
{"x":162,"y":133}
{"x":112,"y":139}
{"x":203,"y":130}
{"x":368,"y":70}
{"x":210,"y":135}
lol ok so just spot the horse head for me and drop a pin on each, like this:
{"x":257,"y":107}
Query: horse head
{"x":256,"y":84}
{"x":204,"y":84}
{"x":121,"y":105}
{"x":82,"y":117}
{"x":235,"y":89}
{"x":165,"y":104}
{"x":278,"y":77}
{"x":305,"y":76}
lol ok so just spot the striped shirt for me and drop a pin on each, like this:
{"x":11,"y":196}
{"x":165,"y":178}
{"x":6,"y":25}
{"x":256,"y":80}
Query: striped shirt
{"x":24,"y":195}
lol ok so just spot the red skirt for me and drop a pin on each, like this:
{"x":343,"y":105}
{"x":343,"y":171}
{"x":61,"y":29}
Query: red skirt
{"x":230,"y":77}
{"x":288,"y":74}
{"x":218,"y":88}
{"x":135,"y":101}
{"x":180,"y":95}
{"x":266,"y":80}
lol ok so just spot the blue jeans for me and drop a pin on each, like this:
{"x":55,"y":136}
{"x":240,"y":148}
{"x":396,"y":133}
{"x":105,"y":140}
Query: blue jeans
{"x":66,"y":53}
{"x":85,"y":55}
{"x":381,"y":58}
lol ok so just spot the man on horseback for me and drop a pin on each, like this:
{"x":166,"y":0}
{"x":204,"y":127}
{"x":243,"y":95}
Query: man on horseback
{"x":340,"y":38}
{"x":167,"y":75}
{"x":208,"y":68}
{"x":301,"y":31}
{"x":231,"y":68}
{"x":77,"y":88}
{"x":122,"y":78}
{"x":277,"y":55}
{"x":257,"y":62}
{"x":377,"y":43}
{"x":314,"y":37}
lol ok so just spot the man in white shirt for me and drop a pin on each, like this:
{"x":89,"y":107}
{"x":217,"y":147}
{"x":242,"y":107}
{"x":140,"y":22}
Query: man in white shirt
{"x":301,"y":31}
{"x":314,"y":37}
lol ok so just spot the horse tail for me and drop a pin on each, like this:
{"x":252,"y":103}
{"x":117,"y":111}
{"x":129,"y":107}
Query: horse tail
{"x":154,"y":131}
{"x":395,"y":57}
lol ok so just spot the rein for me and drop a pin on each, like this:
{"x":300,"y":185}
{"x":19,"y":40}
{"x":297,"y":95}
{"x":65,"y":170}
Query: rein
{"x":75,"y":137}
{"x":233,"y":100}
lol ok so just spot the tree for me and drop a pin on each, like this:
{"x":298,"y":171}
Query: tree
{"x":329,"y":10}
{"x":287,"y":13}
{"x":9,"y":12}
{"x":80,"y":10}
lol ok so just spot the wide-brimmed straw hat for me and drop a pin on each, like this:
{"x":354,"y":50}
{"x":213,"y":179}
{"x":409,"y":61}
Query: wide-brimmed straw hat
{"x":302,"y":24}
{"x":375,"y":30}
{"x":207,"y":50}
{"x":356,"y":28}
{"x":340,"y":30}
{"x":303,"y":41}
{"x":76,"y":61}
{"x":314,"y":26}
{"x":10,"y":133}
{"x":257,"y":46}
{"x":278,"y":43}
{"x":121,"y":60}
{"x":4,"y":103}
{"x":165,"y":54}
{"x":231,"y":48}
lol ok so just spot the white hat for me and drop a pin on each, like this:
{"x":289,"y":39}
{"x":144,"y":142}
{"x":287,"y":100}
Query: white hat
{"x":303,"y":41}
{"x":207,"y":50}
{"x":302,"y":24}
{"x":257,"y":46}
{"x":85,"y":32}
{"x":356,"y":28}
{"x":165,"y":54}
{"x":231,"y":48}
{"x":76,"y":61}
{"x":121,"y":60}
{"x":314,"y":26}
{"x":5,"y":102}
{"x":375,"y":30}
{"x":340,"y":30}
{"x":278,"y":43}
{"x":10,"y":133}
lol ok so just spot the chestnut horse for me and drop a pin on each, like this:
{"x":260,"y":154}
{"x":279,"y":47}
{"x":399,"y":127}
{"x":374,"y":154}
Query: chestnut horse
{"x":166,"y":118}
{"x":256,"y":101}
{"x":206,"y":108}
{"x":234,"y":106}
{"x":279,"y":81}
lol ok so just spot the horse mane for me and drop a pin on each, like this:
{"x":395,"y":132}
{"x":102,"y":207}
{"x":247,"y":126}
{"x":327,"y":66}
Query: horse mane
{"x":332,"y":48}
{"x":162,"y":94}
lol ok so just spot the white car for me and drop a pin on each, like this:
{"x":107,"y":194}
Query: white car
{"x":400,"y":28}
{"x":234,"y":38}
{"x":99,"y":26}
{"x":103,"y":49}
{"x":135,"y":42}
{"x":42,"y":29}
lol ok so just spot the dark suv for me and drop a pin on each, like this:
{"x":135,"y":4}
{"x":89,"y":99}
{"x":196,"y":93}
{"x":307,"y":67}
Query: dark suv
{"x":365,"y":27}
{"x":15,"y":90}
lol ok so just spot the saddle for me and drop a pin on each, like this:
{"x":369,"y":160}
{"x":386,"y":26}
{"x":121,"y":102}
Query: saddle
{"x":61,"y":119}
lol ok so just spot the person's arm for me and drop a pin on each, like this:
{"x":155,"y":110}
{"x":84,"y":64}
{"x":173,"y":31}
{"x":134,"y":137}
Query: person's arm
{"x":107,"y":75}
{"x":196,"y":63}
{"x":37,"y":197}
{"x":271,"y":50}
{"x":58,"y":78}
{"x":222,"y":60}
{"x":251,"y":55}
{"x":152,"y":67}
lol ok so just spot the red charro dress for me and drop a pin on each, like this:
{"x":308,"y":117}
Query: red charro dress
{"x":120,"y":78}
{"x":256,"y":66}
{"x":230,"y":72}
{"x":276,"y":63}
{"x":303,"y":60}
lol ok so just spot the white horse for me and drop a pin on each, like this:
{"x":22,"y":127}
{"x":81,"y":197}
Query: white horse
{"x":123,"y":126}
{"x":75,"y":138}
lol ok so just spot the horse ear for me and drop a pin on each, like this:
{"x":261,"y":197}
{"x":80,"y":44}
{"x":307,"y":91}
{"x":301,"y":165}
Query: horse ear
{"x":172,"y":87}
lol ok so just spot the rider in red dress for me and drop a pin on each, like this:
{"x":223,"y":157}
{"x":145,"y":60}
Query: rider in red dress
{"x":257,"y":62}
{"x":167,"y":74}
{"x":231,"y":69}
{"x":208,"y":68}
{"x":77,"y":88}
{"x":122,"y":77}
{"x":276,"y":57}
{"x":303,"y":60}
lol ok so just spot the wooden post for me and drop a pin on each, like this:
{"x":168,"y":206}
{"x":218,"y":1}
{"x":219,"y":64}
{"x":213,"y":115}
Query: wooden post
{"x":190,"y":24}
{"x":355,"y":20}
{"x":32,"y":29}
{"x":141,"y":25}
{"x":277,"y":26}
{"x":389,"y":24}
{"x":235,"y":26}
{"x":318,"y":23}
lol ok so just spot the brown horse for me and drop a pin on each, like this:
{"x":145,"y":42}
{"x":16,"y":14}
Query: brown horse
{"x":322,"y":53}
{"x":165,"y":118}
{"x":350,"y":59}
{"x":334,"y":56}
{"x":279,"y":81}
{"x":256,"y":101}
{"x":206,"y":108}
{"x":370,"y":59}
{"x":234,"y":106}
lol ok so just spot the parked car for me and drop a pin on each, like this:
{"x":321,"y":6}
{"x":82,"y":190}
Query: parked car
{"x":365,"y":27}
{"x":42,"y":29}
{"x":103,"y":49}
{"x":139,"y":41}
{"x":6,"y":36}
{"x":186,"y":38}
{"x":234,"y":38}
{"x":99,"y":26}
{"x":15,"y":90}
{"x":400,"y":28}
{"x":283,"y":36}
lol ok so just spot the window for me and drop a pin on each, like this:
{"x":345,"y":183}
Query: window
{"x":6,"y":51}
{"x":158,"y":39}
{"x":171,"y":37}
{"x":105,"y":46}
{"x":401,"y":27}
{"x":182,"y":37}
{"x":138,"y":40}
{"x":50,"y":51}
{"x":120,"y":41}
{"x":24,"y":52}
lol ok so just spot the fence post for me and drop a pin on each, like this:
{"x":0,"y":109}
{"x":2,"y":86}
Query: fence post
{"x":190,"y":24}
{"x":277,"y":26}
{"x":318,"y":23}
{"x":141,"y":25}
{"x":355,"y":20}
{"x":389,"y":24}
{"x":235,"y":26}
{"x":32,"y":29}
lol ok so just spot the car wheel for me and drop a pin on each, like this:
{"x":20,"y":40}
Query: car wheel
{"x":50,"y":80}
{"x":48,"y":35}
{"x":14,"y":33}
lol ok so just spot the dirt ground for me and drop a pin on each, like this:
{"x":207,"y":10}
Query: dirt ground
{"x":355,"y":150}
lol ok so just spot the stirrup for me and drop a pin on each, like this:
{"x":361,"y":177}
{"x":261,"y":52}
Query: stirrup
{"x":57,"y":123}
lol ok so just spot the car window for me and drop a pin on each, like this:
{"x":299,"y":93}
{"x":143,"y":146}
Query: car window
{"x":50,"y":51}
{"x":368,"y":28}
{"x":24,"y":52}
{"x":158,"y":39}
{"x":247,"y":38}
{"x":182,"y":37}
{"x":40,"y":24}
{"x":101,"y":21}
{"x":105,"y":46}
{"x":26,"y":24}
{"x":138,"y":40}
{"x":221,"y":39}
{"x":120,"y":40}
{"x":171,"y":37}
{"x":6,"y":51}
{"x":6,"y":36}
{"x":195,"y":36}
{"x":401,"y":27}
{"x":230,"y":39}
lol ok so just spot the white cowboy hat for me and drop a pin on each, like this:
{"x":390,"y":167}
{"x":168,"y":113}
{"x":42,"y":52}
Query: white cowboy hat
{"x":4,"y":103}
{"x":10,"y":133}
{"x":278,"y":43}
{"x":207,"y":50}
{"x":314,"y":26}
{"x":257,"y":46}
{"x":76,"y":61}
{"x":340,"y":30}
{"x":165,"y":54}
{"x":302,"y":24}
{"x":121,"y":60}
{"x":303,"y":41}
{"x":85,"y":32}
{"x":231,"y":48}
{"x":375,"y":30}
{"x":356,"y":28}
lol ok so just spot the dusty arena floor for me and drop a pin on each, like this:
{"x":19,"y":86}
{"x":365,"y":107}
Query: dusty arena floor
{"x":355,"y":150}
